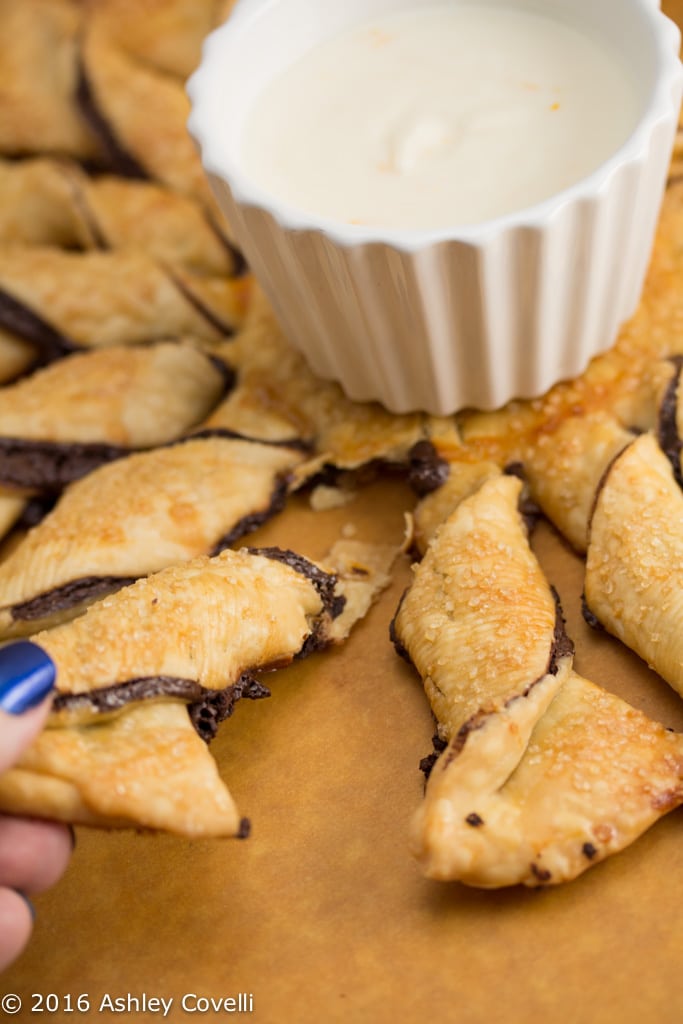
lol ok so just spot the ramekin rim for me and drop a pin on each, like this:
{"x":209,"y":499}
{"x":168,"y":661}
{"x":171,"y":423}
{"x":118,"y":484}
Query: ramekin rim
{"x":248,"y":195}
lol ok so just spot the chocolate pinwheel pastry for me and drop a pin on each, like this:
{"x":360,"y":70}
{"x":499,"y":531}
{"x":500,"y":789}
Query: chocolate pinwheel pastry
{"x":44,"y":201}
{"x":634,"y":564}
{"x":91,"y":407}
{"x":139,"y":115}
{"x":537,"y":773}
{"x":136,"y":515}
{"x":59,"y":301}
{"x":564,"y":467}
{"x":38,"y":70}
{"x":121,"y":749}
{"x":146,"y":768}
{"x":166,"y":34}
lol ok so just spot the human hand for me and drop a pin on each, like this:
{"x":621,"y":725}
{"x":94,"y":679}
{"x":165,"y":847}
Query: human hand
{"x":33,"y":854}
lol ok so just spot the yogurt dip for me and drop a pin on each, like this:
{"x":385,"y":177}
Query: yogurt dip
{"x":437,"y":116}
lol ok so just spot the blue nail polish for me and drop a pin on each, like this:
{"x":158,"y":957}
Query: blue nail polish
{"x":27,"y":674}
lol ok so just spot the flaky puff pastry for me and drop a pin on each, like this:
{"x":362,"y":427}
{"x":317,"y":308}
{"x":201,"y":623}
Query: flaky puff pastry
{"x":135,"y":516}
{"x":479,"y":620}
{"x":139,"y":114}
{"x":124,"y":297}
{"x":146,"y":768}
{"x":120,"y":749}
{"x":543,"y":773}
{"x":634,"y":565}
{"x":556,"y":781}
{"x":38,"y":71}
{"x":165,"y":33}
{"x":132,"y":397}
{"x":564,"y":467}
{"x":45,"y":201}
{"x":207,"y":621}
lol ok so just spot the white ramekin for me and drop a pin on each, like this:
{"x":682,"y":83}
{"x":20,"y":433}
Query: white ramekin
{"x":440,"y":320}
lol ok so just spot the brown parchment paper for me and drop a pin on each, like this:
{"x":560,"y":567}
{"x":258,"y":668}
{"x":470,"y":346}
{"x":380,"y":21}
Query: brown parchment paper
{"x":321,"y":915}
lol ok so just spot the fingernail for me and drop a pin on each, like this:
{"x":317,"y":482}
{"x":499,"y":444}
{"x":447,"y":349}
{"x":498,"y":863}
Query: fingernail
{"x":27,"y":674}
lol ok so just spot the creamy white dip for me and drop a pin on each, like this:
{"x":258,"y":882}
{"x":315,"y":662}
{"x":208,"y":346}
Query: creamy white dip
{"x":437,"y":116}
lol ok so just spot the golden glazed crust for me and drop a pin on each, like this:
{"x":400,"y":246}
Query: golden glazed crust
{"x":539,"y":806}
{"x":138,"y":514}
{"x":147,"y":768}
{"x":634,"y":565}
{"x":124,"y":297}
{"x":545,"y":773}
{"x":38,"y":74}
{"x":479,"y":619}
{"x":564,"y":468}
{"x":54,"y":202}
{"x":134,"y":397}
{"x":146,"y":112}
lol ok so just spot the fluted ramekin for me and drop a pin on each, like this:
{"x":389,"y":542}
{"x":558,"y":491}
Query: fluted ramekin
{"x":444,"y":319}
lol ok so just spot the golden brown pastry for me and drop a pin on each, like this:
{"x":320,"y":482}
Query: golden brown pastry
{"x":121,"y":749}
{"x":134,"y":516}
{"x":54,"y":202}
{"x":38,"y":73}
{"x":139,"y":116}
{"x":564,"y":468}
{"x":147,"y":768}
{"x":634,"y":565}
{"x":539,"y":773}
{"x":134,"y":397}
{"x":165,"y":33}
{"x":58,"y":300}
{"x":540,"y":806}
{"x":479,"y":621}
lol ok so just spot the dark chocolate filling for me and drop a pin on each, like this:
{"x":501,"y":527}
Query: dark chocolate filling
{"x":67,"y":596}
{"x":667,"y":430}
{"x":296,"y":443}
{"x":51,"y":465}
{"x":528,"y":509}
{"x":19,"y":319}
{"x":428,"y":762}
{"x":240,"y":267}
{"x":207,"y":708}
{"x":427,"y":470}
{"x":222,"y":326}
{"x":324,"y":582}
{"x":121,"y":162}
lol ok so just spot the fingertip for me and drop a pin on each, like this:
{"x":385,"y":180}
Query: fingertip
{"x":16,"y":923}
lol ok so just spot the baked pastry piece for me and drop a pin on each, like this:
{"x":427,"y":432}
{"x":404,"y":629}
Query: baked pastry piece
{"x":634,"y":565}
{"x":54,"y":202}
{"x":120,"y":748}
{"x":139,"y":116}
{"x":147,"y":768}
{"x":564,"y":468}
{"x":58,"y":301}
{"x":38,"y":72}
{"x":91,"y":407}
{"x":134,"y":516}
{"x":539,"y":772}
{"x":541,"y":806}
{"x":167,"y":34}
